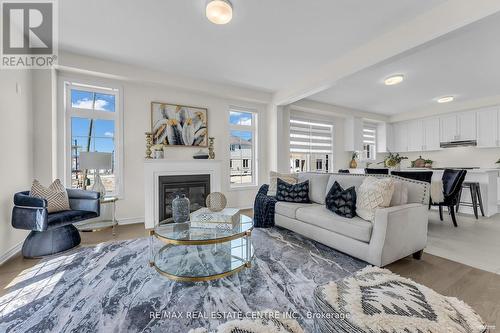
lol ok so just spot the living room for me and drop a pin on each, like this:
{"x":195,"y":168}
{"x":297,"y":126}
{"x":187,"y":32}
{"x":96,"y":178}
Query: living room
{"x":264,"y":166}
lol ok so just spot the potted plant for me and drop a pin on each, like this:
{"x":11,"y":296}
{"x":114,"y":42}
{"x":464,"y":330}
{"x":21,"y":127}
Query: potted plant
{"x":393,"y":161}
{"x":354,"y":164}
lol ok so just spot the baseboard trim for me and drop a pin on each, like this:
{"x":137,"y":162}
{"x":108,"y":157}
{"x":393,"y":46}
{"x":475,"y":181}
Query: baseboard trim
{"x":11,"y":252}
{"x":130,"y":220}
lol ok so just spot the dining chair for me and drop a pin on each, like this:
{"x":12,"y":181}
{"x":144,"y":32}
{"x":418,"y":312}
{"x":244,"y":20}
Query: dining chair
{"x":452,"y":186}
{"x":376,"y":171}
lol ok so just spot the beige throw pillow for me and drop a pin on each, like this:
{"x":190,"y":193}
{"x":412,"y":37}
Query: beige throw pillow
{"x":290,"y":178}
{"x":55,"y":194}
{"x":372,"y":194}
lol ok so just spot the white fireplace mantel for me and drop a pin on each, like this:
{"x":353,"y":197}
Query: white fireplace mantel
{"x":153,"y":169}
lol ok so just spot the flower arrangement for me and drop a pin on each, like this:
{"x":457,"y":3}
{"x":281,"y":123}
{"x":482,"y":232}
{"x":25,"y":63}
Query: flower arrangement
{"x":393,"y":160}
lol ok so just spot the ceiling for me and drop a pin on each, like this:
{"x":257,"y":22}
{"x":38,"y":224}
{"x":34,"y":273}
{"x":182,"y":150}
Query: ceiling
{"x":266,"y":45}
{"x":464,"y":63}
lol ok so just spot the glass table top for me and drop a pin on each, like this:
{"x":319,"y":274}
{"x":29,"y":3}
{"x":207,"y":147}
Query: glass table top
{"x":204,"y":262}
{"x":183,"y":233}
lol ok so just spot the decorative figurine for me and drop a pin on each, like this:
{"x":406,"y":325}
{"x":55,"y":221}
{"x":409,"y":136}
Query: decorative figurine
{"x":180,"y":209}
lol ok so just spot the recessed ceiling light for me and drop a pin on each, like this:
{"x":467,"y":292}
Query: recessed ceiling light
{"x":395,"y":79}
{"x":445,"y":99}
{"x":219,"y":11}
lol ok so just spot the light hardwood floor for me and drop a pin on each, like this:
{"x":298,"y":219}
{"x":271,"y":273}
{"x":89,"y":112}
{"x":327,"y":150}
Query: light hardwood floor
{"x":480,"y":289}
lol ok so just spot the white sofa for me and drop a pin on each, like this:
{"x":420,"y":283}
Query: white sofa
{"x":395,"y":233}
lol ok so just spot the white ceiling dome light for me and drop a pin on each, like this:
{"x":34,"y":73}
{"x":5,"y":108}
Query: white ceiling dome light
{"x":445,"y":99}
{"x":219,"y":11}
{"x":394,"y":79}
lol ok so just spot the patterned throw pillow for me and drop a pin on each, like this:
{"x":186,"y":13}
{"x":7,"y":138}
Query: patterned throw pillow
{"x":298,"y":193}
{"x":55,"y":194}
{"x":290,"y":178}
{"x":341,"y":202}
{"x":372,"y":194}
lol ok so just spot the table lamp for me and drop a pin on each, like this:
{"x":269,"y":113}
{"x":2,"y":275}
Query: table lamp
{"x":96,"y":161}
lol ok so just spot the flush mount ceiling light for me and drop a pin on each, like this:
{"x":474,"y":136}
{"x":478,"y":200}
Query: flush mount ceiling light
{"x":393,"y":80}
{"x":445,"y":99}
{"x":219,"y":11}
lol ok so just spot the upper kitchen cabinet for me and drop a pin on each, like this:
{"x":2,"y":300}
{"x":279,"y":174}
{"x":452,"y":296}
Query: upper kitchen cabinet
{"x":415,"y":135}
{"x":487,"y":127}
{"x":467,"y":126}
{"x":385,"y":137}
{"x":458,"y":126}
{"x":431,"y":134}
{"x":449,"y":128}
{"x":400,"y":136}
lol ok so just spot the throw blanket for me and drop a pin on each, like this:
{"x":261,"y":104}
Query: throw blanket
{"x":263,"y":209}
{"x":437,"y":195}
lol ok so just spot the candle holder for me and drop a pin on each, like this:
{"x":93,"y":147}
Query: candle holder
{"x":149,"y":141}
{"x":211,"y":150}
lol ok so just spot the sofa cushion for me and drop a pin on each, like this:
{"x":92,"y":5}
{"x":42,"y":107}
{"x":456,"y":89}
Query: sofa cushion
{"x":291,"y":178}
{"x":400,"y":195}
{"x":293,"y":192}
{"x":317,"y":185}
{"x":320,"y":216}
{"x":289,"y":209}
{"x":341,"y":202}
{"x":372,"y":194}
{"x":60,"y":219}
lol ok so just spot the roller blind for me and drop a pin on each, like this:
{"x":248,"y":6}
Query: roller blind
{"x":310,"y":136}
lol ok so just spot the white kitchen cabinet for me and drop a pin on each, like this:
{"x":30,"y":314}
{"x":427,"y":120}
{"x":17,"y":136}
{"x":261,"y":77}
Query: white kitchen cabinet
{"x":487,"y":127}
{"x":415,"y":135}
{"x":431,"y":134}
{"x":449,"y":128}
{"x":400,"y":131}
{"x":467,"y":126}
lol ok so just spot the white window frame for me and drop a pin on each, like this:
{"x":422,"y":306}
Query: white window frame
{"x":117,"y":116}
{"x":364,"y":153}
{"x":247,"y":128}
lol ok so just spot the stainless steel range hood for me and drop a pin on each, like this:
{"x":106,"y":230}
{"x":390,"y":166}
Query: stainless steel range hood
{"x":462,"y":143}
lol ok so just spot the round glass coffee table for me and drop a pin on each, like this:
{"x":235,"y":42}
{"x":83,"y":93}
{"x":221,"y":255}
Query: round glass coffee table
{"x":200,"y":254}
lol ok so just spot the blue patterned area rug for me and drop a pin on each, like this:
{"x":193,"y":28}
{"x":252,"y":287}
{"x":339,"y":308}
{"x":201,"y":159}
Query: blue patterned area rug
{"x":111,"y":288}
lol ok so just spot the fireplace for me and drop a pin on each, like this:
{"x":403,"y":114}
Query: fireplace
{"x":194,"y":187}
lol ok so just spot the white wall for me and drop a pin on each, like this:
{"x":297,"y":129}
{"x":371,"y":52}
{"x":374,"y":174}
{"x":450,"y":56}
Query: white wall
{"x":16,"y":140}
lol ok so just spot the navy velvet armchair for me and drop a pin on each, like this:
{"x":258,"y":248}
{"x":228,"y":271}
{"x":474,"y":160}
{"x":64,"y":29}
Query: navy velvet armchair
{"x":52,"y":233}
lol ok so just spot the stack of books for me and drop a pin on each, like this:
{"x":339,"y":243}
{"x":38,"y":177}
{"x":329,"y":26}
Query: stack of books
{"x":226,"y":219}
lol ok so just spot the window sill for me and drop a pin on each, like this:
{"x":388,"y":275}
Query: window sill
{"x":243,"y":187}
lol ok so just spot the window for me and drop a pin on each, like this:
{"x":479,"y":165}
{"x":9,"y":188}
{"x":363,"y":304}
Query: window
{"x":369,"y":141}
{"x":242,"y":147}
{"x":92,"y":116}
{"x":311,"y":145}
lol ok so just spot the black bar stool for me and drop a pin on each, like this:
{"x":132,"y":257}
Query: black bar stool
{"x":475,"y":193}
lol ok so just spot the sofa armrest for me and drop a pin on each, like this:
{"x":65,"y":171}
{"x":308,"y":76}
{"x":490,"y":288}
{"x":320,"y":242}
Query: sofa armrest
{"x":29,"y":218}
{"x":84,"y":200}
{"x":398,"y":232}
{"x":25,"y":200}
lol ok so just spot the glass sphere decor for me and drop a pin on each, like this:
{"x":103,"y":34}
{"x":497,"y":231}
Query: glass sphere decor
{"x":216,"y":201}
{"x":180,"y":209}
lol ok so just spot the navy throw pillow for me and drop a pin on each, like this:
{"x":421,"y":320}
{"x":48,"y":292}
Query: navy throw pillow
{"x":341,"y":202}
{"x":298,"y":193}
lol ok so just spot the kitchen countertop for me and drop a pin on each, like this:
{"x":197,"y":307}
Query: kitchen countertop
{"x":480,"y":170}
